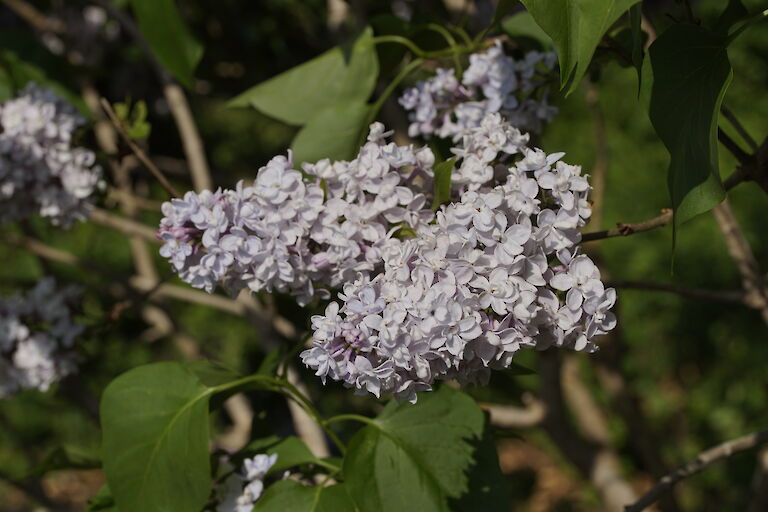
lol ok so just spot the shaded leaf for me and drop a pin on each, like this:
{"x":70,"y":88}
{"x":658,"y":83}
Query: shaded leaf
{"x":487,"y":485}
{"x":342,"y":75}
{"x":163,"y":27}
{"x":638,"y":41}
{"x":685,"y":76}
{"x":576,"y":27}
{"x":523,"y":25}
{"x":333,"y":133}
{"x":414,"y":456}
{"x":288,"y":495}
{"x":65,"y":457}
{"x":155,"y":439}
{"x":102,"y":501}
{"x":733,"y":14}
{"x":442,"y":182}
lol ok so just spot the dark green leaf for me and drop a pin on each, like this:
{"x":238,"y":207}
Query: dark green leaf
{"x":733,"y":14}
{"x":487,"y":486}
{"x":576,"y":27}
{"x":442,"y":184}
{"x":20,"y":72}
{"x":66,"y":457}
{"x":333,"y":133}
{"x":102,"y":501}
{"x":211,"y":373}
{"x":685,"y":77}
{"x":271,"y":362}
{"x":163,"y":27}
{"x":291,"y":451}
{"x":502,"y":9}
{"x":287,"y":495}
{"x":155,"y":439}
{"x":638,"y":40}
{"x":343,"y":75}
{"x":523,"y":25}
{"x":415,"y":456}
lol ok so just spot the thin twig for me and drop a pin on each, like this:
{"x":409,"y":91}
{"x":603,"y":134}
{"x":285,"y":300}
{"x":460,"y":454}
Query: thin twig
{"x":124,"y":225}
{"x":703,"y":460}
{"x":759,"y":501}
{"x":684,"y":291}
{"x":143,"y":158}
{"x":177,"y":103}
{"x":753,"y":281}
{"x":596,"y":461}
{"x":731,"y":117}
{"x":35,"y":18}
{"x":626,"y":229}
{"x":510,"y":416}
{"x":742,"y":156}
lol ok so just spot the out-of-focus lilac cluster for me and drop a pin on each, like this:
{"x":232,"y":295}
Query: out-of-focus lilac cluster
{"x":41,"y":171}
{"x":496,"y":272}
{"x":241,"y":489}
{"x":37,"y":335}
{"x":494,"y":82}
{"x":293,"y":234}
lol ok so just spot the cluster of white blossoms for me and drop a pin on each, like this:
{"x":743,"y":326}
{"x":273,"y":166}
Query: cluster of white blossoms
{"x":294,"y":234}
{"x":445,"y":107}
{"x":36,"y":337}
{"x":497,"y":271}
{"x":41,"y":171}
{"x":240,"y":490}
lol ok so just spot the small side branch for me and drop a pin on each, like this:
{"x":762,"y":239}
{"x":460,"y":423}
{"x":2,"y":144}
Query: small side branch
{"x":730,"y":296}
{"x":704,"y":459}
{"x":143,"y":158}
{"x":510,"y":416}
{"x":751,"y":277}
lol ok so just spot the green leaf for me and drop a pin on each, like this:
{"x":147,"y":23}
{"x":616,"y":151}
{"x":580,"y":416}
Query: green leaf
{"x":414,"y":456}
{"x":685,"y":77}
{"x":20,"y":72}
{"x":442,"y":183}
{"x":487,"y":485}
{"x":523,"y":25}
{"x":333,"y":133}
{"x":102,"y":501}
{"x":502,"y":9}
{"x":291,"y":451}
{"x":342,"y":75}
{"x":638,"y":41}
{"x":288,"y":495}
{"x":211,"y":373}
{"x":271,"y":362}
{"x":163,"y":27}
{"x":65,"y":457}
{"x":155,"y":439}
{"x":576,"y":27}
{"x":733,"y":14}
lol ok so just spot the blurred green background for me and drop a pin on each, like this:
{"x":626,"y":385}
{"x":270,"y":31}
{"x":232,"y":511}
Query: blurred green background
{"x":698,"y":369}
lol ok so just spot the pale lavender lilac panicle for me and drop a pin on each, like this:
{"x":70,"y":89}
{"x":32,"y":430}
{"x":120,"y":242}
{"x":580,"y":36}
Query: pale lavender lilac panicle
{"x":498,"y":271}
{"x":42,"y":172}
{"x":288,"y":233}
{"x":444,"y":107}
{"x":37,"y":335}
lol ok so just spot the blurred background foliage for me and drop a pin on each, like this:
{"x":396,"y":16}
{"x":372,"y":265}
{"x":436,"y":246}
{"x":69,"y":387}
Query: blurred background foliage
{"x":697,"y":368}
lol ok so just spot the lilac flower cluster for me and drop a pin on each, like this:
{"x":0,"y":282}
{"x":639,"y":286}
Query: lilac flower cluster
{"x":290,"y":234}
{"x":240,"y":490}
{"x":445,"y":107}
{"x":36,"y":337}
{"x":496,"y":272}
{"x":41,"y":171}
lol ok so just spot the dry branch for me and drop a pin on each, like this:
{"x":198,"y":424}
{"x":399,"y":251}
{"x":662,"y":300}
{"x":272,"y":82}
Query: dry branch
{"x":704,"y":459}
